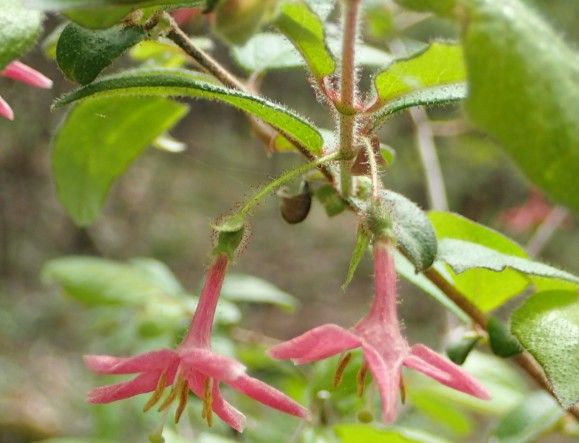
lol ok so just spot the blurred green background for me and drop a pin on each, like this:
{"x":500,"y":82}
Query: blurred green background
{"x":162,"y":209}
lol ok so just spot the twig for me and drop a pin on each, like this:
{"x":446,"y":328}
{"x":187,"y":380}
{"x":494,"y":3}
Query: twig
{"x":545,"y":231}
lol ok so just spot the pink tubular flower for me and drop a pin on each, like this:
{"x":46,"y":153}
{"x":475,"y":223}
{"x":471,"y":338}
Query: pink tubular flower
{"x":385,"y":349}
{"x":192,"y":366}
{"x":25,"y":74}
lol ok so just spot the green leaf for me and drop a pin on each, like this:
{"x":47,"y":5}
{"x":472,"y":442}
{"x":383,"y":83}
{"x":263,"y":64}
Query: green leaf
{"x":547,"y":325}
{"x":438,"y":6}
{"x":82,"y":54}
{"x":96,"y":281}
{"x":331,"y":200}
{"x":361,"y":433}
{"x":440,"y":64}
{"x":98,"y":141}
{"x":462,"y":255}
{"x":19,"y":29}
{"x":98,"y":18}
{"x":459,"y":351}
{"x":362,"y":243}
{"x":268,"y":51}
{"x":524,"y":91}
{"x":172,"y":82}
{"x":250,"y":289}
{"x":435,"y":96}
{"x":531,"y":418}
{"x":501,"y":340}
{"x":486,"y":289}
{"x":408,"y":271}
{"x":412,"y":229}
{"x":73,"y":4}
{"x":306,"y":31}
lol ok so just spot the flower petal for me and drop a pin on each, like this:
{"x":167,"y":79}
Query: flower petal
{"x":23,"y":73}
{"x":316,"y":344}
{"x":149,"y":361}
{"x":425,"y":360}
{"x":226,"y":412}
{"x":268,"y":395}
{"x":388,"y":379}
{"x":139,"y":385}
{"x":213,"y":365}
{"x":6,"y":110}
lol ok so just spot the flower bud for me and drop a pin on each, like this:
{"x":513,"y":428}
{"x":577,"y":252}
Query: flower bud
{"x":295,"y":207}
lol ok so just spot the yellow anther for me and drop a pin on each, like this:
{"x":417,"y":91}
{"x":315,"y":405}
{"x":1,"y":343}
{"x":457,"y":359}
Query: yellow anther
{"x":161,"y":384}
{"x":342,"y":364}
{"x":183,"y":398}
{"x":402,"y":390}
{"x":207,"y":412}
{"x":173,"y":394}
{"x":361,"y":380}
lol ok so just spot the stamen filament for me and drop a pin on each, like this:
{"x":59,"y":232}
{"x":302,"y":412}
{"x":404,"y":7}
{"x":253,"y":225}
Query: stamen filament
{"x":207,"y":413}
{"x":158,"y":393}
{"x":342,"y":364}
{"x":173,"y":394}
{"x":361,"y":380}
{"x":183,"y":398}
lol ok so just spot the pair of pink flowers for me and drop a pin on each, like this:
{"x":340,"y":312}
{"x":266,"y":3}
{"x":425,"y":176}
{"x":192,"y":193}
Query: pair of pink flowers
{"x":19,"y":71}
{"x":192,"y":366}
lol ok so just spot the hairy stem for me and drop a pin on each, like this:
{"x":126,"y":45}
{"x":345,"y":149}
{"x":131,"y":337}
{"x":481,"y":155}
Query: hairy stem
{"x":524,"y":360}
{"x":348,"y":92}
{"x":281,"y":180}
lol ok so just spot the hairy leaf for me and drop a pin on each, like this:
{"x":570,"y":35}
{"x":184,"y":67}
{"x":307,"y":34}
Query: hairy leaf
{"x":98,"y":141}
{"x":167,"y":82}
{"x":440,"y":64}
{"x":547,"y":325}
{"x":501,"y":340}
{"x":72,"y":4}
{"x":360,"y":249}
{"x":524,"y":91}
{"x":306,"y":31}
{"x":485,"y":288}
{"x":82,"y":54}
{"x":19,"y":29}
{"x":412,"y":229}
{"x":435,"y":96}
{"x":98,"y":18}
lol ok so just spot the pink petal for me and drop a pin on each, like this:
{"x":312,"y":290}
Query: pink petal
{"x":267,"y":395}
{"x":23,"y":73}
{"x":139,"y":385}
{"x":226,"y":412}
{"x":425,"y":360}
{"x":388,"y":380}
{"x":6,"y":110}
{"x":213,"y":365}
{"x":150,"y":361}
{"x":316,"y":344}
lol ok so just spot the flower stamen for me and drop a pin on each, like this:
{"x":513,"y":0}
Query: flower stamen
{"x":158,"y":393}
{"x":177,"y":387}
{"x":207,"y":413}
{"x":183,"y":398}
{"x":402,"y":390}
{"x":361,"y":380}
{"x":342,"y":364}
